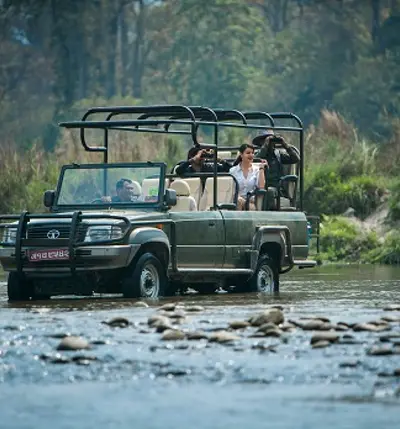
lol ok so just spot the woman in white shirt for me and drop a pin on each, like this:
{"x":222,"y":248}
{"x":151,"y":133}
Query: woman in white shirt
{"x":248,"y":176}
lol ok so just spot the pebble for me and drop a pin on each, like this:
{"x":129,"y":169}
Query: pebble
{"x":117,"y":322}
{"x":392,"y":307}
{"x":196,"y":335}
{"x":140,"y":304}
{"x":239,"y":324}
{"x":349,"y":364}
{"x":379,"y":351}
{"x":223,"y":337}
{"x":170,"y":306}
{"x":325,"y":336}
{"x":358,"y":327}
{"x":73,"y":343}
{"x":156,"y":318}
{"x":320,"y":344}
{"x":311,"y":325}
{"x":273,"y":315}
{"x":173,"y":335}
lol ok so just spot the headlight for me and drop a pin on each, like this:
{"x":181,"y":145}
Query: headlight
{"x":9,"y":236}
{"x":103,"y":232}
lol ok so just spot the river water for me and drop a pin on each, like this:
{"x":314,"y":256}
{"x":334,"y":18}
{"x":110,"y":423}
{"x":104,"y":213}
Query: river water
{"x":138,"y":380}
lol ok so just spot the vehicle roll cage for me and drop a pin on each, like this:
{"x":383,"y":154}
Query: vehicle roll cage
{"x":185,"y":120}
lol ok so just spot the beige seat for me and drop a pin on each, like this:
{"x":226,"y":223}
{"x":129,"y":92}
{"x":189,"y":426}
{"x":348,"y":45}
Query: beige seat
{"x":137,"y":189}
{"x":224,"y":154}
{"x":150,"y":189}
{"x":185,"y":202}
{"x":226,"y":192}
{"x":196,"y":189}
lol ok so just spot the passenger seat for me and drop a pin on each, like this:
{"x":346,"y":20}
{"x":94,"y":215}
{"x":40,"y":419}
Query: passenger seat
{"x":150,"y":188}
{"x":185,"y":202}
{"x":227,"y":192}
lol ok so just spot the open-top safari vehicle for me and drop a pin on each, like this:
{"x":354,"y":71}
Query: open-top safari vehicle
{"x":156,"y":244}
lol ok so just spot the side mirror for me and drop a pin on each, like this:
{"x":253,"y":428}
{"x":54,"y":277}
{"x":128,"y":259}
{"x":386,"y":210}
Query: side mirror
{"x":48,"y":198}
{"x":170,"y":197}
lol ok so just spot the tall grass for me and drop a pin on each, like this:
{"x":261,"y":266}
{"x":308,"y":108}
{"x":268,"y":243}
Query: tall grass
{"x":26,"y":174}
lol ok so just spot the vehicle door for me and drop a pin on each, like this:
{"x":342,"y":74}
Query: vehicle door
{"x":200,"y":239}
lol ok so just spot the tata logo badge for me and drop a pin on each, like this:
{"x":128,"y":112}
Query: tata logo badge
{"x":53,"y":234}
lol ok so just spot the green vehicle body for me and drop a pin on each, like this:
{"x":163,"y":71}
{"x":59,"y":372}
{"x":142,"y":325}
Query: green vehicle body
{"x":157,"y":250}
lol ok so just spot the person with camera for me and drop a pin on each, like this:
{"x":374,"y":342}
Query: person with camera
{"x":201,"y":161}
{"x":275,"y":158}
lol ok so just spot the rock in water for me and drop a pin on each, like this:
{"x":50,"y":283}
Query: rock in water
{"x":273,"y":315}
{"x":73,"y":343}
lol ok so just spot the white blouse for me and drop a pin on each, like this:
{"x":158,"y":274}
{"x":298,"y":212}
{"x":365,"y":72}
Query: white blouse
{"x":246,"y":184}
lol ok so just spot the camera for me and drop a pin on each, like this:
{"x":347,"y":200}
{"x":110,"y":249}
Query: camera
{"x":208,"y":154}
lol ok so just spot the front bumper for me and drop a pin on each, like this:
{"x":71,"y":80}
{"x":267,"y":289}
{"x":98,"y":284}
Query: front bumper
{"x":87,"y":258}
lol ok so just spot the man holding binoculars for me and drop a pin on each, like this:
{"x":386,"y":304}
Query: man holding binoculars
{"x":275,"y":158}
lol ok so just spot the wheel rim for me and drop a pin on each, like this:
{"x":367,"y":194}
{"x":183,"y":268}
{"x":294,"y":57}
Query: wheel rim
{"x":265,"y":279}
{"x":149,"y":281}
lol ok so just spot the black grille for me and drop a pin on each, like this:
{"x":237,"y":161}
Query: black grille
{"x":54,"y":231}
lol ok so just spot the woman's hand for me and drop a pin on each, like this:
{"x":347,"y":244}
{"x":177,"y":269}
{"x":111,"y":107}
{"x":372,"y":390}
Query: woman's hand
{"x":264,"y":164}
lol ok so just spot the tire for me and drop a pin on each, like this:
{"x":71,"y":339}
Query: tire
{"x":266,"y":276}
{"x":18,"y":287}
{"x":147,"y":278}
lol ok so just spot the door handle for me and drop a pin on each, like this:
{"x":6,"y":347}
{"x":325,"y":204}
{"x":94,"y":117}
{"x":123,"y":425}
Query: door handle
{"x":211,"y":223}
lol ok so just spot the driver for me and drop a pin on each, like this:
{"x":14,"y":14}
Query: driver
{"x":127,"y":191}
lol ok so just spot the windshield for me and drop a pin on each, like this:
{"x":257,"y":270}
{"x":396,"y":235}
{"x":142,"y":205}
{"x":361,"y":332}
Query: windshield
{"x":105,"y":185}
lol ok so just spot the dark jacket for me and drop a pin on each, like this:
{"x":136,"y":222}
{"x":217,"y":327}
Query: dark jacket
{"x":275,"y":160}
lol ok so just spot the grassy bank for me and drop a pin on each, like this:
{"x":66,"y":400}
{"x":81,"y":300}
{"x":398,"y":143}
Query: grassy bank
{"x":344,"y":174}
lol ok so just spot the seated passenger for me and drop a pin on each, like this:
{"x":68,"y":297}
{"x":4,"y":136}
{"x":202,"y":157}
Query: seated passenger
{"x":200,"y":161}
{"x":248,"y":176}
{"x":127,"y":191}
{"x":274,"y":157}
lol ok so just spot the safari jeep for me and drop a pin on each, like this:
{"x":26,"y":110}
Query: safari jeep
{"x":172,"y":232}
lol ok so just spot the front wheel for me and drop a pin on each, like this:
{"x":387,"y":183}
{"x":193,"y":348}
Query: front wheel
{"x":266,"y":276}
{"x":18,"y":287}
{"x":147,"y":278}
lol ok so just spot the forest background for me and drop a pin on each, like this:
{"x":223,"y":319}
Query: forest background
{"x":335,"y":63}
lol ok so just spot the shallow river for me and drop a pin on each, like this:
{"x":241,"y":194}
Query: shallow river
{"x":130,"y":378}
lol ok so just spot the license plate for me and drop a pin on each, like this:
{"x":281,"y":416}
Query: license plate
{"x":48,"y":255}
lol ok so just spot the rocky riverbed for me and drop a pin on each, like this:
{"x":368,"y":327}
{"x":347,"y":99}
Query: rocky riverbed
{"x":330,"y":341}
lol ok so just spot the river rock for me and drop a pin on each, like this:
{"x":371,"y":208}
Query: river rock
{"x":392,"y":307}
{"x":117,"y":322}
{"x":320,"y":344}
{"x":161,"y":326}
{"x":273,"y":315}
{"x":194,"y":308}
{"x":364,"y":327}
{"x":311,"y":325}
{"x":265,"y":347}
{"x":389,"y":337}
{"x":73,"y":343}
{"x":170,"y":306}
{"x":320,"y":318}
{"x":341,"y":327}
{"x":173,"y":335}
{"x":222,"y":337}
{"x":379,"y":351}
{"x":177,"y":314}
{"x":155,"y":318}
{"x":390,"y":318}
{"x":287,"y":326}
{"x":332,"y":337}
{"x":239,"y":324}
{"x":196,"y":335}
{"x":60,"y":360}
{"x":140,"y":304}
{"x":350,"y":364}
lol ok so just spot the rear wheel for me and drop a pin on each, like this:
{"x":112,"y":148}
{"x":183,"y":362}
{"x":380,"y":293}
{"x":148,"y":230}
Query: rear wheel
{"x":146,"y":279}
{"x":18,"y":287}
{"x":266,"y":276}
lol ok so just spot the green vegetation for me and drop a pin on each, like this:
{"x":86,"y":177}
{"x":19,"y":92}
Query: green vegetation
{"x":334,"y":63}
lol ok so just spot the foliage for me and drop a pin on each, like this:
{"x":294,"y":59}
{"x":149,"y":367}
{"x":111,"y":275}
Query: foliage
{"x":394,"y":202}
{"x":343,"y":240}
{"x":387,"y":252}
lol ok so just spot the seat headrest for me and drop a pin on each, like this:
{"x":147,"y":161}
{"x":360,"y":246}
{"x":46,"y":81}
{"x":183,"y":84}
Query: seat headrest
{"x":181,"y":187}
{"x":137,"y":189}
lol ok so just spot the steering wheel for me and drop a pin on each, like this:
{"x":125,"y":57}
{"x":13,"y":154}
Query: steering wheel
{"x":98,"y":201}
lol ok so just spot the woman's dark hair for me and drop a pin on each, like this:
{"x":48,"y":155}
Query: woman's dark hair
{"x":242,"y":148}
